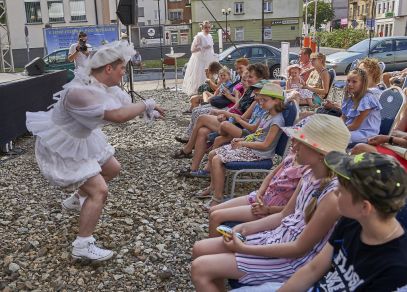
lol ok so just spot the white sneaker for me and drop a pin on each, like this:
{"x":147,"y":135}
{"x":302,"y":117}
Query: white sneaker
{"x":89,"y":250}
{"x":71,"y":203}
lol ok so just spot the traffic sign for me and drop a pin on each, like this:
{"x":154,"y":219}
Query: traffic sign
{"x":354,"y":23}
{"x":370,"y":24}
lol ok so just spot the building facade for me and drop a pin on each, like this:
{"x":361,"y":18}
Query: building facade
{"x":391,"y":17}
{"x":282,"y":19}
{"x":359,"y":12}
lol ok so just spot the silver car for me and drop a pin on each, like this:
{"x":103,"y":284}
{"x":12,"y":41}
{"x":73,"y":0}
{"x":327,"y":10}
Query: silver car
{"x":390,"y":50}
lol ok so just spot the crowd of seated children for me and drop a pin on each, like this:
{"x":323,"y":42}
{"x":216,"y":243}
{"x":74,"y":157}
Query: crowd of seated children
{"x":214,"y":123}
{"x":279,"y":244}
{"x":257,"y":72}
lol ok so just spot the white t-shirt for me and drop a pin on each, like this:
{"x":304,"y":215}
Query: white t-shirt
{"x":81,"y":57}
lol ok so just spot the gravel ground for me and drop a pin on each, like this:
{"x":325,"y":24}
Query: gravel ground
{"x":150,"y":221}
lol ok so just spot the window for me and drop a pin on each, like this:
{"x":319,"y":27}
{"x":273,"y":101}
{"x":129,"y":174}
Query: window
{"x":239,"y":8}
{"x":260,"y":52}
{"x":267,"y":33}
{"x":156,"y":14}
{"x":401,"y":45}
{"x":174,"y":15}
{"x":140,"y":11}
{"x":239,"y":34}
{"x":379,"y":8}
{"x":56,"y":11}
{"x":392,"y":6}
{"x":293,"y":27}
{"x":268,"y":6}
{"x":33,"y":11}
{"x":358,"y":10}
{"x":390,"y":29}
{"x":240,"y":53}
{"x":384,"y":46}
{"x":78,"y":11}
{"x":363,"y":9}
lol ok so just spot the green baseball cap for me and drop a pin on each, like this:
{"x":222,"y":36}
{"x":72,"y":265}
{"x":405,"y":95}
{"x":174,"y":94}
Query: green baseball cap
{"x":371,"y":174}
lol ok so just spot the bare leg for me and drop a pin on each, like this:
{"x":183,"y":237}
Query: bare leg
{"x":110,"y":170}
{"x":228,"y":129}
{"x":195,"y":101}
{"x":209,"y":272}
{"x":360,"y":148}
{"x":200,"y":148}
{"x":96,"y":190}
{"x":208,"y":121}
{"x":217,"y":177}
{"x":221,"y":140}
{"x":240,"y":213}
{"x":206,"y":96}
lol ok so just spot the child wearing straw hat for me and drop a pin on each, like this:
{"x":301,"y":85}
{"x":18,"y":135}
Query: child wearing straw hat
{"x":279,"y":244}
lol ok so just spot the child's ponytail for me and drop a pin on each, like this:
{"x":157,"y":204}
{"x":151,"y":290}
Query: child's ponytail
{"x":312,"y":205}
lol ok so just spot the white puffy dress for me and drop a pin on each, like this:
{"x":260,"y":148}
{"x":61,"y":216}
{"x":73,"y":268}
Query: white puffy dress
{"x":70,"y":146}
{"x":195,"y":73}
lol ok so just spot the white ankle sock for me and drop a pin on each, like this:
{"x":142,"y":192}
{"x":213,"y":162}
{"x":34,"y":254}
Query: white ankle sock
{"x":82,"y":199}
{"x":81,"y":240}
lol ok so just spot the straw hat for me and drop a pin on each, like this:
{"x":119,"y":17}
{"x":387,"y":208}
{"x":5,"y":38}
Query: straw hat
{"x":324,"y":133}
{"x":272,"y":90}
{"x":292,"y":67}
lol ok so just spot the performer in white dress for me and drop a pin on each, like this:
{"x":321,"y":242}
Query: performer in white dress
{"x":202,"y":56}
{"x":71,"y":150}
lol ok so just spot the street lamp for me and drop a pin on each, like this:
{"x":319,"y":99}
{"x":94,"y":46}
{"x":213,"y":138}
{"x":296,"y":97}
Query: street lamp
{"x":307,"y":2}
{"x":226,"y":12}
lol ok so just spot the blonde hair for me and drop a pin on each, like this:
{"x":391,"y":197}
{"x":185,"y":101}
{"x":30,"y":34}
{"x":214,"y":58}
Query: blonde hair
{"x":313,"y":204}
{"x":224,"y":70}
{"x":373,"y":68}
{"x":319,"y":56}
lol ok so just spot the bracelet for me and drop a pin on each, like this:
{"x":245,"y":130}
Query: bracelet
{"x":391,"y":140}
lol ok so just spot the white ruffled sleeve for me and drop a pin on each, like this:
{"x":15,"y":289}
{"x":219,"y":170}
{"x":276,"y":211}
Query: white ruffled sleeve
{"x":87,"y":106}
{"x":196,"y":43}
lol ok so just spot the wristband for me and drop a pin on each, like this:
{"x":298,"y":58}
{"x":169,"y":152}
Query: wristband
{"x":391,"y":140}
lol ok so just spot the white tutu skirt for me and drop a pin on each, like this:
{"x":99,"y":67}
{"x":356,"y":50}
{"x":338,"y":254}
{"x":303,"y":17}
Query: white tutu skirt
{"x":64,"y":160}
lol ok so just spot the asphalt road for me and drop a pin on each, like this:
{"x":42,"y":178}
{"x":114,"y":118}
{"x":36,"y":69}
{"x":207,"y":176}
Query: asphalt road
{"x":155,"y":74}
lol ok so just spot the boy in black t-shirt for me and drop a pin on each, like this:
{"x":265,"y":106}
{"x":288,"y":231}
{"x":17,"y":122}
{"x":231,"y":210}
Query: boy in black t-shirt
{"x":368,"y":248}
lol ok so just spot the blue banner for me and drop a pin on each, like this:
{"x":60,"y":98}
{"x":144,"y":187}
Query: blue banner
{"x":64,"y":37}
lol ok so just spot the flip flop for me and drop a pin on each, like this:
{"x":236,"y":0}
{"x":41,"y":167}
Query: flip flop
{"x":181,"y":139}
{"x":180,"y":154}
{"x":200,"y":173}
{"x":203,"y":194}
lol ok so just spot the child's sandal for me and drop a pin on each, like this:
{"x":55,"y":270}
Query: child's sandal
{"x":179,"y":154}
{"x":211,"y":202}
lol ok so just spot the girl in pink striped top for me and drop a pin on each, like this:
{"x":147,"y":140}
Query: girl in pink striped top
{"x":274,"y":193}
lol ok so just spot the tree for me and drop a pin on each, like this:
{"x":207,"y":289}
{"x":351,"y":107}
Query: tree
{"x":325,"y":13}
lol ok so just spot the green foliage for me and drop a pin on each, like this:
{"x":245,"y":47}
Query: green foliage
{"x":341,"y":38}
{"x":325,"y":13}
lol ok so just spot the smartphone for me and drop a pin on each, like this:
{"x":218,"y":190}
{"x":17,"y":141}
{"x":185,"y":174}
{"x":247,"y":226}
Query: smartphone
{"x":226,"y":231}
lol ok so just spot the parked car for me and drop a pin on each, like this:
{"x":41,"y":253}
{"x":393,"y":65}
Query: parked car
{"x":58,"y":60}
{"x":390,"y":50}
{"x":256,"y":53}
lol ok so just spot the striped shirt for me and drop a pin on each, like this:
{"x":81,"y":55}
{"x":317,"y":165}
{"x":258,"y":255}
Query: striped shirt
{"x":263,"y":269}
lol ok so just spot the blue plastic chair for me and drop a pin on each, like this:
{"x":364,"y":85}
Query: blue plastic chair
{"x":235,"y":168}
{"x":392,"y":101}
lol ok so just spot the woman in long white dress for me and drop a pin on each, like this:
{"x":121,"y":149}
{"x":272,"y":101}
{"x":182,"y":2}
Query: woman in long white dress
{"x":202,"y":56}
